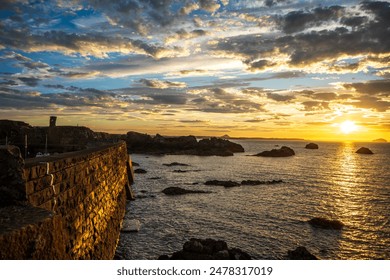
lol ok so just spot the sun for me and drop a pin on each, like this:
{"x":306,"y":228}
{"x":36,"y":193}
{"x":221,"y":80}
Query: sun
{"x":348,"y":127}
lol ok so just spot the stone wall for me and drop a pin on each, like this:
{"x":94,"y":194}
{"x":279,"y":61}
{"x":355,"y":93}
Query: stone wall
{"x":75,"y":206}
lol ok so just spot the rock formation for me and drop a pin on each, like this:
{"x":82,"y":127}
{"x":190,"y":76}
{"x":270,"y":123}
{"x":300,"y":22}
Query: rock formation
{"x":300,"y":253}
{"x":282,"y":152}
{"x":140,"y":171}
{"x":184,"y":145}
{"x":258,"y":182}
{"x":226,"y":184}
{"x":311,"y":146}
{"x":180,"y":191}
{"x":207,"y":249}
{"x":325,"y":223}
{"x":364,"y":150}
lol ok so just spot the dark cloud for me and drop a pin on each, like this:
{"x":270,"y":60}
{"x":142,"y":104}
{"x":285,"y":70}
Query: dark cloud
{"x":371,"y":102}
{"x":271,"y":3}
{"x":315,"y":105}
{"x":30,"y":81}
{"x":374,"y":87}
{"x":161,"y":84}
{"x":301,"y":49}
{"x":280,"y":97}
{"x":296,"y":21}
{"x":85,"y":44}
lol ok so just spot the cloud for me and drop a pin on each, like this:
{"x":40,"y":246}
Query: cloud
{"x":315,"y":105}
{"x":296,"y":21}
{"x":162,"y":84}
{"x":185,"y":35}
{"x":371,"y":102}
{"x":209,"y":5}
{"x":90,"y":44}
{"x":299,"y":49}
{"x":280,"y":97}
{"x":30,"y":81}
{"x":374,"y":87}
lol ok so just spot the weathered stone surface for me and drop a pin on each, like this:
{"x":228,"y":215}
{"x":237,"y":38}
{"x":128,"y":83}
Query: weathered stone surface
{"x":325,"y":223}
{"x":180,"y":191}
{"x":85,"y":192}
{"x":282,"y":152}
{"x":226,"y":184}
{"x":364,"y":150}
{"x":12,"y":177}
{"x":143,"y":143}
{"x":301,"y":253}
{"x":207,"y":249}
{"x":311,"y":146}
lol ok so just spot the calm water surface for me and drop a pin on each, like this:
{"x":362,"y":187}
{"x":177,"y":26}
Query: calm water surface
{"x":267,"y":220}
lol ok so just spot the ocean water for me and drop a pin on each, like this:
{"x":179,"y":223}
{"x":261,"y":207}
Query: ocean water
{"x":266,"y":220}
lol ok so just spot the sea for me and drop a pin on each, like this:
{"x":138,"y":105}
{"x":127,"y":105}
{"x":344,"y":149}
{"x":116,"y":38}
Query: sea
{"x":267,"y":220}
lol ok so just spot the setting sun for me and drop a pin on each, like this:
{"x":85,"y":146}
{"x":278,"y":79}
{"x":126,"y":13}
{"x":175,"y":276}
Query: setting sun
{"x":348,"y":127}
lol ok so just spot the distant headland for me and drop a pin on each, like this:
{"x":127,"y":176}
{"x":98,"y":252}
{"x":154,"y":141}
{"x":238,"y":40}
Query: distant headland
{"x":380,"y":140}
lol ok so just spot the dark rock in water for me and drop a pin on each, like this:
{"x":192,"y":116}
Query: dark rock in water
{"x":257,"y":182}
{"x":226,"y":184}
{"x":155,"y":178}
{"x":311,"y":146}
{"x":364,"y":150}
{"x":180,"y":171}
{"x":133,"y":163}
{"x":325,"y":223}
{"x":140,"y":171}
{"x":300,"y":253}
{"x":207,"y":249}
{"x":175,"y":164}
{"x":180,"y":191}
{"x":282,"y":152}
{"x":184,"y":145}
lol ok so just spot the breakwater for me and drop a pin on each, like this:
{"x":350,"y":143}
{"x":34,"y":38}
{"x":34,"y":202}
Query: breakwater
{"x":67,"y":206}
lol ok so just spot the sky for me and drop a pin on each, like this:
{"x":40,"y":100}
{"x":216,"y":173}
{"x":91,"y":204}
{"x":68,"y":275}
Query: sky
{"x":263,"y":68}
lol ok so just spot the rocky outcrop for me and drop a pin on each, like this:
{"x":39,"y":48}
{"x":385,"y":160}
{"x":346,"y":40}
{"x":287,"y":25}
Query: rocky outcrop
{"x":311,"y":146}
{"x":364,"y":150}
{"x":226,"y":184}
{"x":184,"y":145}
{"x":258,"y":182}
{"x":140,"y":171}
{"x":325,"y":223}
{"x":175,"y":164}
{"x":207,"y":249}
{"x":282,"y":152}
{"x":180,"y":191}
{"x":301,"y":253}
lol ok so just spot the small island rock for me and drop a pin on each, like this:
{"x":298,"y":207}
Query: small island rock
{"x":226,"y":184}
{"x":140,"y":171}
{"x":207,"y":249}
{"x":300,"y":253}
{"x":282,"y":152}
{"x":325,"y":223}
{"x":311,"y":146}
{"x":180,"y":191}
{"x":365,"y":151}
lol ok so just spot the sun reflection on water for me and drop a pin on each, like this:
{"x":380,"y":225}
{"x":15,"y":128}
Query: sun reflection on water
{"x":349,"y":201}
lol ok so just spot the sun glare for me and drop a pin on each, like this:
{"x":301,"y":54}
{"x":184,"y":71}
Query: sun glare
{"x":348,"y":127}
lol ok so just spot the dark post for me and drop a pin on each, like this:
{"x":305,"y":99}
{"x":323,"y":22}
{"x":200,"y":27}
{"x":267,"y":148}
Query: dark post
{"x":53,"y":120}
